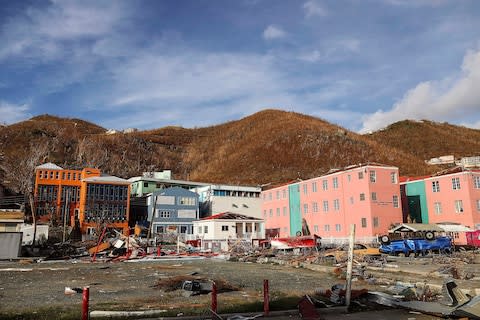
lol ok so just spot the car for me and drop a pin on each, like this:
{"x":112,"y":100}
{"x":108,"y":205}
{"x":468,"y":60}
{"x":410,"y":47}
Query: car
{"x":359,"y":251}
{"x":416,"y":245}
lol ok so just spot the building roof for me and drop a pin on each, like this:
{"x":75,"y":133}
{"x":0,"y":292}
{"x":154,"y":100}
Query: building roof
{"x":108,"y":179}
{"x":230,"y":216}
{"x":415,"y":227}
{"x":169,"y":181}
{"x":49,"y":166}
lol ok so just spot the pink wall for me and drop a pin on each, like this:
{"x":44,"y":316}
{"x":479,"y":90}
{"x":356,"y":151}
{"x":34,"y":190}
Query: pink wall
{"x":270,"y":204}
{"x":468,"y":194}
{"x":351,"y":209}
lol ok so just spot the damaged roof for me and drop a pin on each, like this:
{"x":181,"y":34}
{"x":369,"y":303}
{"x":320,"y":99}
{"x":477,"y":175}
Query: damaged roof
{"x":230,"y":216}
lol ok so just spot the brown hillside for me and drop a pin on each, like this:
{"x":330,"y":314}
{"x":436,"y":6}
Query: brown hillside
{"x":428,"y":139}
{"x":267,"y":147}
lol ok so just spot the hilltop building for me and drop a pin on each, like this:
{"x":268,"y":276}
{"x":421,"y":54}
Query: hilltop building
{"x":365,"y":195}
{"x":85,"y":199}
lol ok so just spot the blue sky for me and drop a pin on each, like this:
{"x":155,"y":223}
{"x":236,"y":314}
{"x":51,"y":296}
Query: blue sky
{"x":361,"y":64}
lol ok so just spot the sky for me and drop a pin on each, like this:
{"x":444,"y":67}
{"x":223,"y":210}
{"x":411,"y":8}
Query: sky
{"x":360,"y":64}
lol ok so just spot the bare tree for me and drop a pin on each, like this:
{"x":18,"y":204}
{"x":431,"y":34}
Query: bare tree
{"x":20,"y":173}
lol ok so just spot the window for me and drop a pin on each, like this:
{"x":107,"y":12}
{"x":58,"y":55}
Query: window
{"x":68,"y":176}
{"x":278,"y":195}
{"x":456,"y":183}
{"x":74,"y":176}
{"x":314,"y":187}
{"x":438,"y":207}
{"x":458,"y":206}
{"x":56,"y":175}
{"x":393,"y":177}
{"x":284,"y":211}
{"x":163,"y":214}
{"x":145,"y":184}
{"x":315,"y":228}
{"x":278,"y":212}
{"x":160,"y":229}
{"x":395,"y":201}
{"x":205,"y":229}
{"x":325,"y":206}
{"x":478,"y":205}
{"x":476,"y":182}
{"x":360,"y":175}
{"x":63,"y":176}
{"x":199,"y":229}
{"x":336,"y":204}
{"x":338,"y":227}
{"x":284,"y":193}
{"x":326,"y":227}
{"x":305,"y":188}
{"x":364,"y":222}
{"x":224,"y":228}
{"x":335,"y":183}
{"x":373,"y":176}
{"x":435,"y":186}
{"x":351,"y":200}
{"x":374,"y":196}
{"x":305,"y":208}
{"x":349,"y":178}
{"x":362,"y":196}
{"x":264,"y":213}
{"x":375,"y":222}
{"x":270,"y":212}
{"x":325,"y":184}
{"x":188,"y":201}
{"x":314,"y":207}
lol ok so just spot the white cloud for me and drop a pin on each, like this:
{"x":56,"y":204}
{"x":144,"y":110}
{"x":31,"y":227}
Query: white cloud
{"x":273,"y":32}
{"x":11,"y":113}
{"x":447,"y":100}
{"x":44,"y":33}
{"x":314,"y":8}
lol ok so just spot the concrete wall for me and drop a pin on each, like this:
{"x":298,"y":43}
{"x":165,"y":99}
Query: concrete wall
{"x":11,"y":245}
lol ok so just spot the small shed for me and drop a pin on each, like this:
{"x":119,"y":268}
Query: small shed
{"x":11,"y":245}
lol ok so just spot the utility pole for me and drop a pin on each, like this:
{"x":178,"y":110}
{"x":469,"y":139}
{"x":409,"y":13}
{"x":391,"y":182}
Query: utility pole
{"x":350,"y":265}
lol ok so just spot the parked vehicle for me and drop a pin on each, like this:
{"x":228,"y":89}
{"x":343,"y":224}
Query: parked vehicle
{"x":395,"y":245}
{"x":473,"y":238}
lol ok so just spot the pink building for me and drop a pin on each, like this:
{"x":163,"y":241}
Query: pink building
{"x":365,"y":195}
{"x":454,"y":198}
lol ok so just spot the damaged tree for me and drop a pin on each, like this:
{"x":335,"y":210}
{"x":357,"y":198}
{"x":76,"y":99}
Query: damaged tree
{"x":19,"y":173}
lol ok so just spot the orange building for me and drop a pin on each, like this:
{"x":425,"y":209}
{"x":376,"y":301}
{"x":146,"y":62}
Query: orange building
{"x":83,"y":198}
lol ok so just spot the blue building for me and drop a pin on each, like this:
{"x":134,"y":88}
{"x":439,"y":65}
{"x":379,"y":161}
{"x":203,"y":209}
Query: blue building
{"x":172,"y":211}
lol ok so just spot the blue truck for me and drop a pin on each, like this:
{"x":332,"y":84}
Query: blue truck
{"x":415,"y":245}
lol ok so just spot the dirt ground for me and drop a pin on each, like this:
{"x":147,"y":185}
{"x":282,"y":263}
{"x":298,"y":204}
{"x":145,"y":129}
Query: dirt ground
{"x":27,"y":287}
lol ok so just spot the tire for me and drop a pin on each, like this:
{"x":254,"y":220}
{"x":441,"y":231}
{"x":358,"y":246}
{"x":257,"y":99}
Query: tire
{"x":299,"y":233}
{"x":385,"y":239}
{"x":429,"y":235}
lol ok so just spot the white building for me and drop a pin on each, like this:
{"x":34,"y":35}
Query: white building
{"x":215,"y":199}
{"x":226,"y":230}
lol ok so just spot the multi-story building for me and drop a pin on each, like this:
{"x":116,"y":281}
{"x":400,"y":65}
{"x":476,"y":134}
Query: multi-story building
{"x":365,"y":195}
{"x":215,"y":199}
{"x":453,"y":196}
{"x":153,"y":181}
{"x":172,"y":211}
{"x":81,"y":198}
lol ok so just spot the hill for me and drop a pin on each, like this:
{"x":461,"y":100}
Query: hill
{"x":427,"y":139}
{"x":270,"y":146}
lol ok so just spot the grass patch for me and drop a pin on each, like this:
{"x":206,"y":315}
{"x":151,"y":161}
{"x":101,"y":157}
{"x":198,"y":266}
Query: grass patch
{"x":43,"y":314}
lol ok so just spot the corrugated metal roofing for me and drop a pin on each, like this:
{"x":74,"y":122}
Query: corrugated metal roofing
{"x":414,"y":227}
{"x":49,"y":166}
{"x":110,"y":179}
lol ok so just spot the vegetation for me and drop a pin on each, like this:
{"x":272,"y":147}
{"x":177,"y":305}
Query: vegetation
{"x":269,"y":147}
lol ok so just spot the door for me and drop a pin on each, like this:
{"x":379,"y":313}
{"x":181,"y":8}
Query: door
{"x":415,"y":209}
